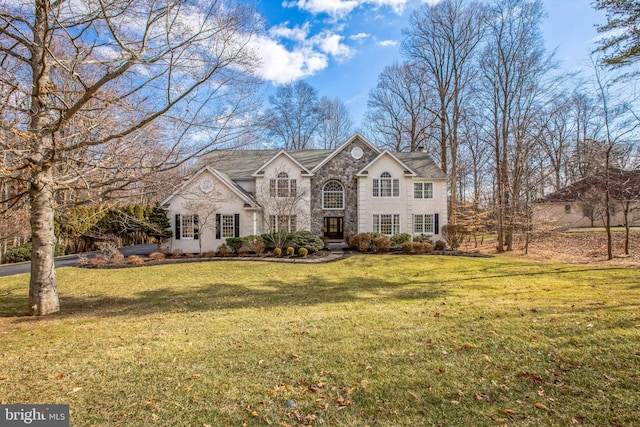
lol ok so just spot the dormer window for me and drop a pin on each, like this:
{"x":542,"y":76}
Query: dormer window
{"x":386,"y":186}
{"x":282,"y":186}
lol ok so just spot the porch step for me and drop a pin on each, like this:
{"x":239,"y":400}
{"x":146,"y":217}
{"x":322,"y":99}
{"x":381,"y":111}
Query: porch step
{"x":337,"y":245}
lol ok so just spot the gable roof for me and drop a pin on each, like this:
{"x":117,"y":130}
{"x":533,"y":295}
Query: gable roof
{"x":407,"y":169}
{"x":239,"y":165}
{"x":305,"y":170}
{"x":624,"y":185}
{"x":233,"y":186}
{"x":244,"y":164}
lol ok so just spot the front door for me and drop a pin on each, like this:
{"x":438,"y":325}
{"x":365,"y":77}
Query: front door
{"x":333,"y":228}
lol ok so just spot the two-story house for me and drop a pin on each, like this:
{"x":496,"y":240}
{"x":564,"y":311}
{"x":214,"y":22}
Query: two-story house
{"x":355,"y":188}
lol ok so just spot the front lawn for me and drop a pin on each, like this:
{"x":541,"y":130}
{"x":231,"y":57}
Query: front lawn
{"x":369,"y":340}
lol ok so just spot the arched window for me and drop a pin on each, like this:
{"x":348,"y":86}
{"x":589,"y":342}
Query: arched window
{"x":386,"y":186}
{"x":282,"y":186}
{"x":333,"y":195}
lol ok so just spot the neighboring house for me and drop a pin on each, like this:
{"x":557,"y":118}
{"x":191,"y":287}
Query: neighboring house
{"x":355,"y":188}
{"x":582,"y":204}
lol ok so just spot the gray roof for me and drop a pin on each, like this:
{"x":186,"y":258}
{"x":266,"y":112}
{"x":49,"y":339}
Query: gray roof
{"x":241,"y":164}
{"x":422,"y":164}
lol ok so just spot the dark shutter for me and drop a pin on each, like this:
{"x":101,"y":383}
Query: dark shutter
{"x":196,"y":227}
{"x":436,"y":223}
{"x":218,"y":225}
{"x":236,"y":225}
{"x":177,"y":226}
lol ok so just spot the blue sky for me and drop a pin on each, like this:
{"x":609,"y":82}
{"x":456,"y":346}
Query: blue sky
{"x":341,"y":46}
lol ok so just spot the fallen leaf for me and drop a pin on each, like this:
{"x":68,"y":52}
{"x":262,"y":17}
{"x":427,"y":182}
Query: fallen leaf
{"x":578,"y":419}
{"x":75,"y":390}
{"x":542,"y":406}
{"x":510,"y":413}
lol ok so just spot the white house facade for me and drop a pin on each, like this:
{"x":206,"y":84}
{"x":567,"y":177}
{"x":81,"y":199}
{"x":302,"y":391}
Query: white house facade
{"x":333,"y":193}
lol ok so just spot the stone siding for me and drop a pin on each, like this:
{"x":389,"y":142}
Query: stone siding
{"x":341,"y":168}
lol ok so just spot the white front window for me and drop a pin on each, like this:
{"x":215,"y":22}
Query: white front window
{"x":423,"y":190}
{"x":333,"y":195}
{"x":423,"y":223}
{"x":282,"y":186}
{"x":187,"y":226}
{"x":387,"y":224}
{"x":386,"y":186}
{"x":228,"y":226}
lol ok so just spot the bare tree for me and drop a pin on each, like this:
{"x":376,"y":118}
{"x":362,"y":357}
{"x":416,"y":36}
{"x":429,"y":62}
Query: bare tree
{"x":443,"y":40}
{"x":513,"y":66}
{"x":619,"y":125}
{"x":398,"y":115}
{"x":336,"y":124}
{"x":294,"y":115}
{"x":91,"y":79}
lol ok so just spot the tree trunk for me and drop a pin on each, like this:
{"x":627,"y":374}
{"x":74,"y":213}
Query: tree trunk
{"x":43,"y":292}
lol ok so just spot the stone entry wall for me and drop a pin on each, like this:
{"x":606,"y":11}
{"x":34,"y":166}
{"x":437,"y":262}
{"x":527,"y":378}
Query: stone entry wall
{"x":343,"y":168}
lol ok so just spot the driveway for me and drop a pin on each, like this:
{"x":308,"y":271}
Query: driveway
{"x":73,"y":260}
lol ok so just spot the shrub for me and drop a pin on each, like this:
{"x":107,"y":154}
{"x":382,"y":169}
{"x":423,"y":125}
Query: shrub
{"x":303,"y":252}
{"x":277,"y":251}
{"x":177,"y":253}
{"x":156,"y":256}
{"x":306,"y":239}
{"x":209,"y":254}
{"x":98,"y":260}
{"x":251,"y":240}
{"x":243,"y":251}
{"x":416,"y":247}
{"x":361,"y":242}
{"x":224,"y":251}
{"x":258,"y":247}
{"x":23,"y":252}
{"x":407,"y":247}
{"x":135,"y":260}
{"x":427,"y":247}
{"x":382,"y":244}
{"x":440,"y":245}
{"x":374,"y":235}
{"x":422,"y":238}
{"x":291,"y":251}
{"x":454,"y":235}
{"x":117,"y":258}
{"x":400,"y":238}
{"x":234,"y":243}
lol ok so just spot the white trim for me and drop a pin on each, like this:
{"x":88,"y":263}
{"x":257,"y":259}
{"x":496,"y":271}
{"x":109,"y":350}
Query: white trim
{"x":222,"y":178}
{"x":343,"y":199}
{"x":305,"y":171}
{"x":408,"y":170}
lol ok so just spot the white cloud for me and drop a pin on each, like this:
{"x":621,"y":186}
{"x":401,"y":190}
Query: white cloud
{"x":387,"y":43}
{"x":360,"y":36}
{"x":335,"y":8}
{"x":280,"y":65}
{"x":295,"y":33}
{"x":290,"y":53}
{"x":341,"y":8}
{"x":331,"y":43}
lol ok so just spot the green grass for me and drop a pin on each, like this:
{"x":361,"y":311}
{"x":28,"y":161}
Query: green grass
{"x":370,"y":340}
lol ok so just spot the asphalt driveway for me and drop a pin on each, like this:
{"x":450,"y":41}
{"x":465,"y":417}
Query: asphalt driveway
{"x":73,"y":260}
